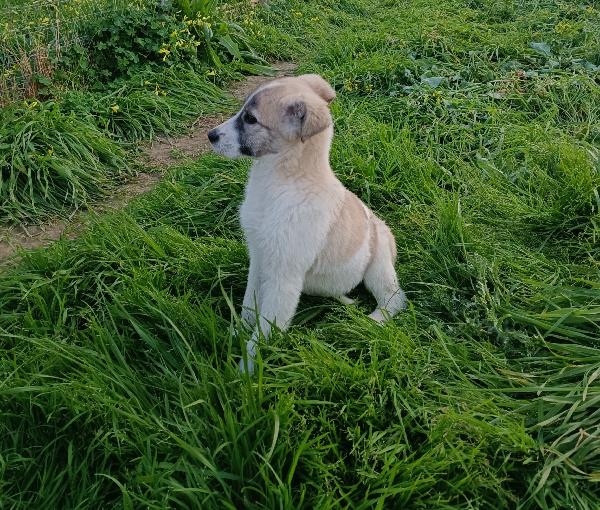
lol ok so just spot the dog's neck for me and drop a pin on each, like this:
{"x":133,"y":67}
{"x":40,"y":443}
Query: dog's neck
{"x":303,"y":159}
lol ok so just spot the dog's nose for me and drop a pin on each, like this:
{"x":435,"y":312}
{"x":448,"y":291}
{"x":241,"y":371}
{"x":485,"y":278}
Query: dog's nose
{"x":213,"y":136}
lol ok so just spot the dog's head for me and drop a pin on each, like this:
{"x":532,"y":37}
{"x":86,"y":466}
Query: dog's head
{"x":278,"y":114}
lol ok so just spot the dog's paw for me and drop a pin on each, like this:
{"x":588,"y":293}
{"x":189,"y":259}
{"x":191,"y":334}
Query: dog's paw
{"x":345,"y":300}
{"x":380,"y":316}
{"x":247,"y":366}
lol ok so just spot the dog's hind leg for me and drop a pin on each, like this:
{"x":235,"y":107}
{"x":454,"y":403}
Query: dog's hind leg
{"x":380,"y":277}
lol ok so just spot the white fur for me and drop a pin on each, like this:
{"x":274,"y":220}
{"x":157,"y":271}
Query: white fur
{"x":286,"y":222}
{"x":292,"y":202}
{"x":228,"y":144}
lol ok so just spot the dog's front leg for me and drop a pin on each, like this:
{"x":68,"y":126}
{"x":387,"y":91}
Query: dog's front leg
{"x":289,"y":247}
{"x":279,"y":296}
{"x":251,"y":304}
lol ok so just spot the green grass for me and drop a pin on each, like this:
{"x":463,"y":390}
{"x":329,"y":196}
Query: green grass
{"x":149,"y":104}
{"x":59,"y":155}
{"x":119,"y":383}
{"x":49,"y":160}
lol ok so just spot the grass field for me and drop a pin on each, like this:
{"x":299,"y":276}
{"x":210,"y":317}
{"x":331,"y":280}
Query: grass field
{"x":473,"y":128}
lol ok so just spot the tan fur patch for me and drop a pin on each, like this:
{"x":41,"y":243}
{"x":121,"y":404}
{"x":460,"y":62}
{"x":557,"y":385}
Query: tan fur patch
{"x":348,"y":232}
{"x":271,"y":100}
{"x":374,"y":237}
{"x":319,"y":85}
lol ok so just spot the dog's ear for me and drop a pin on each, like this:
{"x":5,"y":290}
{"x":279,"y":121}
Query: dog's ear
{"x":308,"y":118}
{"x":320,"y":86}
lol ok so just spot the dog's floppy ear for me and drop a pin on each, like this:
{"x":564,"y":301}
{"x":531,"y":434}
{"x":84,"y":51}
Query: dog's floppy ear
{"x":308,"y":118}
{"x":320,"y":86}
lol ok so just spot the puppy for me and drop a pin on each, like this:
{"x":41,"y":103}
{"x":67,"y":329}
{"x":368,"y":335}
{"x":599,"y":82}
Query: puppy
{"x":305,"y":231}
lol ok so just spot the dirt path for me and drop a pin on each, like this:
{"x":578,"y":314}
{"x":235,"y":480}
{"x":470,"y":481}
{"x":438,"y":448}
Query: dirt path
{"x":159,"y":155}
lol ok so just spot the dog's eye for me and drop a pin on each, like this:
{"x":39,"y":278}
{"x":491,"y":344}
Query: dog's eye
{"x":249,"y":118}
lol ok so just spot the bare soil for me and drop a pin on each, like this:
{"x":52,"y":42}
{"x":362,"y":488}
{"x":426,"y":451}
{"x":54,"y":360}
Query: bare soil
{"x":162,"y":153}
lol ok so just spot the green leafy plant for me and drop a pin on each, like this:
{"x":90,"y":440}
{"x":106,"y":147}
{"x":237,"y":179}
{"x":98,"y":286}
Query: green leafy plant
{"x":222,"y":40}
{"x":139,"y":37}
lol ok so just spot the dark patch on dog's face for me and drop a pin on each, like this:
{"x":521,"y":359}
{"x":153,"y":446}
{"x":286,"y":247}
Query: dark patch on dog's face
{"x":242,"y":136}
{"x":246,"y":151}
{"x":254,"y":137}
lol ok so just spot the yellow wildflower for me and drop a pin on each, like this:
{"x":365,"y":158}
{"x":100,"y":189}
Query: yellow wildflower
{"x":115,"y":108}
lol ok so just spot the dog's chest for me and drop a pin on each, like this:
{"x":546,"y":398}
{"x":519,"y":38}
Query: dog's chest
{"x":274,"y":207}
{"x":266,"y":203}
